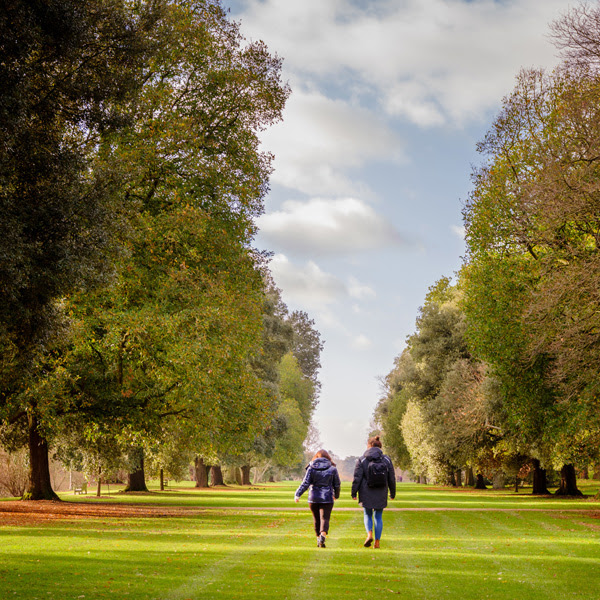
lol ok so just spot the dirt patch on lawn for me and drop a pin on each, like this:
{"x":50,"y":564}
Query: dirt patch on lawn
{"x":39,"y":512}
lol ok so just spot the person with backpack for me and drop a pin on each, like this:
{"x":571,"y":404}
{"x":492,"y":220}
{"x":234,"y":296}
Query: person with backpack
{"x":324,"y":482}
{"x":373,"y":477}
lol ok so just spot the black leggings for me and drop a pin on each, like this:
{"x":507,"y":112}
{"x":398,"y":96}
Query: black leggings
{"x":321,"y":512}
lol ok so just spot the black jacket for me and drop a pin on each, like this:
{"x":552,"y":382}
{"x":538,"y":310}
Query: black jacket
{"x":323,"y":479}
{"x":373,"y":497}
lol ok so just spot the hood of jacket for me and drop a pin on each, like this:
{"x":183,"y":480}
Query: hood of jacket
{"x":373,"y":453}
{"x":321,"y":463}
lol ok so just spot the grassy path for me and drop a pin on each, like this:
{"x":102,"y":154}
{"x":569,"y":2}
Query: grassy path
{"x":261,"y":552}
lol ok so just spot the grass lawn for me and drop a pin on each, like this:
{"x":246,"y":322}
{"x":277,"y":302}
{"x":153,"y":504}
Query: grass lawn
{"x":250,"y":548}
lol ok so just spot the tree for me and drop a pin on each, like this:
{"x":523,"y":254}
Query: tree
{"x":441,"y":412}
{"x":425,"y":462}
{"x":466,"y":427}
{"x":186,"y":312}
{"x":171,"y":335}
{"x":532,"y":235}
{"x":436,"y":378}
{"x":544,"y":177}
{"x":97,"y":456}
{"x":577,"y":35}
{"x":391,"y":408}
{"x":296,"y":386}
{"x":307,"y":347}
{"x":288,"y":452}
{"x":276,"y":340}
{"x":168,"y":347}
{"x":312,"y":443}
{"x":288,"y":366}
{"x":494,"y":294}
{"x":70,"y":71}
{"x":435,"y":347}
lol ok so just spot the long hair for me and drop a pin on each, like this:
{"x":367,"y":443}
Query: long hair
{"x":323,"y":454}
{"x":374,"y":442}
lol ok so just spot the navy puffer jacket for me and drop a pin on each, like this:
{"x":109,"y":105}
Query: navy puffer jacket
{"x":323,"y":479}
{"x":373,"y":497}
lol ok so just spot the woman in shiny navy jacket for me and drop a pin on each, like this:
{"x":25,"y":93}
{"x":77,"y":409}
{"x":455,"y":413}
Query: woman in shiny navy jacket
{"x":324,"y":482}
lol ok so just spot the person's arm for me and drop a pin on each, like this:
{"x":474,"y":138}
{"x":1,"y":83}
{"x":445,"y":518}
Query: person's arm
{"x":336,"y":484}
{"x":358,"y":475}
{"x":391,"y":478}
{"x":304,"y":485}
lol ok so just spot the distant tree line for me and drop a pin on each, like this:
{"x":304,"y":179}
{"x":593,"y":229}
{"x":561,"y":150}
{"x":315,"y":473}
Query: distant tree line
{"x":139,"y":328}
{"x":501,"y":376}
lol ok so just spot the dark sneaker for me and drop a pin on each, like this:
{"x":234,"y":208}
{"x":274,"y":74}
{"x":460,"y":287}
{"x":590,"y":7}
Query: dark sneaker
{"x":321,"y":541}
{"x":368,"y":542}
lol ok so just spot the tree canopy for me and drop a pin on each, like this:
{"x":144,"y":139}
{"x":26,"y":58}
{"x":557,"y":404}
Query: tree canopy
{"x":508,"y":373}
{"x":130,"y":176}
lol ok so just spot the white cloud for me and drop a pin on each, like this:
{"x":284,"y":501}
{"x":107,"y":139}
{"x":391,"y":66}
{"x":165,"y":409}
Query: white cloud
{"x":410,"y":99}
{"x":306,"y":286}
{"x":358,"y":290}
{"x":320,"y":227}
{"x":321,"y":139}
{"x":459,"y":231}
{"x":361,"y":342}
{"x":429,"y":61}
{"x":310,"y":288}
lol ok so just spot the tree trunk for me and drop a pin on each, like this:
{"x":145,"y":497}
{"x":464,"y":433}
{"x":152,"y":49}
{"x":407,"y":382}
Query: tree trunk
{"x":451,"y":478}
{"x":39,"y":486}
{"x":596,"y":472}
{"x":458,"y":478}
{"x":216,"y":476}
{"x":480,"y":485}
{"x":200,"y":473}
{"x":246,"y":474}
{"x":99,"y":487}
{"x":469,"y":477}
{"x":584,"y":473}
{"x":516,"y":483}
{"x":568,"y":482}
{"x":162,"y":480}
{"x":540,"y":481}
{"x":260,"y":471}
{"x":237,"y":475}
{"x":498,"y":483}
{"x":136,"y":479}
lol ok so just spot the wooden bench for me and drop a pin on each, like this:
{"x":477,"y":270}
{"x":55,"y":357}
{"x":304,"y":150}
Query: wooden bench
{"x":82,"y":489}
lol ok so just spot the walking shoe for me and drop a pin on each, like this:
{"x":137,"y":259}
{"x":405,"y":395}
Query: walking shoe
{"x":369,"y":540}
{"x":321,"y":541}
{"x":376,"y":544}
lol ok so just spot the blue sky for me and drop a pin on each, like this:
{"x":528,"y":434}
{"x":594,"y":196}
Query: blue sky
{"x":372,"y":163}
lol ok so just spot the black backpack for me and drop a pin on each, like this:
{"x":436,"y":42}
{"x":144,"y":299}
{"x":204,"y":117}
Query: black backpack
{"x":377,"y":472}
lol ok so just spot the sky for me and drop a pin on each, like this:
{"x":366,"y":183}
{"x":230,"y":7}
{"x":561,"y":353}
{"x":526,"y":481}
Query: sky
{"x":372,"y":165}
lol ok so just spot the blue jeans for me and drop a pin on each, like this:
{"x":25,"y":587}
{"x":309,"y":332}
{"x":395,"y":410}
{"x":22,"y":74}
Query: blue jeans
{"x":378,"y":521}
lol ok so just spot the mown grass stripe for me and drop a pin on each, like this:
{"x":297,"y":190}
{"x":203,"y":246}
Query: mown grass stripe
{"x":263,"y":554}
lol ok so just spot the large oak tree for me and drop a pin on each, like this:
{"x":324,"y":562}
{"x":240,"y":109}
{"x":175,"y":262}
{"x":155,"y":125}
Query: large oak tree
{"x":70,"y":70}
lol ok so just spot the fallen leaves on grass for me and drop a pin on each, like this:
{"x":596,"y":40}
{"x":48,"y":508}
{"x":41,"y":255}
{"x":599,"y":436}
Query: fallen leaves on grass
{"x":21,"y":512}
